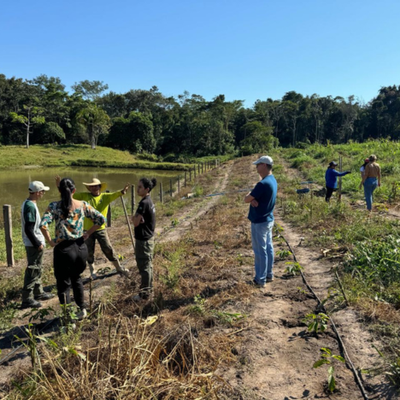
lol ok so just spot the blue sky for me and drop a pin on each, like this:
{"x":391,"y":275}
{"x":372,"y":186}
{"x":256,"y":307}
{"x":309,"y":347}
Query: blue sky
{"x":247,"y":50}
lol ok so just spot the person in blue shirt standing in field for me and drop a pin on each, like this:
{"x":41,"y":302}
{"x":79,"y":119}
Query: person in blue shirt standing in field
{"x":331,"y":176}
{"x":262,"y":203}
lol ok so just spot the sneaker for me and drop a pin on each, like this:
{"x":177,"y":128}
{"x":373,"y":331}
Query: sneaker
{"x":31,"y":304}
{"x":44,"y":296}
{"x":260,"y":285}
{"x":81,"y":314}
{"x":270,"y":279}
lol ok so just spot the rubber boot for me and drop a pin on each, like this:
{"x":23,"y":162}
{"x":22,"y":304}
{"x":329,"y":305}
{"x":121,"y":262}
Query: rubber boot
{"x":92,"y":271}
{"x":120,"y":269}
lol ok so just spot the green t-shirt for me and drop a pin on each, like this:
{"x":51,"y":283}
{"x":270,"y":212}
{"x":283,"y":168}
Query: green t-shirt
{"x":100,"y":203}
{"x":30,"y":213}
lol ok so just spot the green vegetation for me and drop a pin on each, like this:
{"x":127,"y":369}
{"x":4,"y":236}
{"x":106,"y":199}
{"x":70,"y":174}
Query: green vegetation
{"x":316,"y":323}
{"x":77,"y":155}
{"x":363,"y":247}
{"x":327,"y":358}
{"x":41,"y":111}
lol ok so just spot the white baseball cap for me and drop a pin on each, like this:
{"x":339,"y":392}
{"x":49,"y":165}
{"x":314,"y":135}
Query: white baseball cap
{"x":37,"y":186}
{"x":264,"y":160}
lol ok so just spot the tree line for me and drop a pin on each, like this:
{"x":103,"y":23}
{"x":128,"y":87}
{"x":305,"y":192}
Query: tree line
{"x":41,"y":111}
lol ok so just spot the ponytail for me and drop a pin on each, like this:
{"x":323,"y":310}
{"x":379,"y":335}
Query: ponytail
{"x":66,"y":188}
{"x":149,"y":184}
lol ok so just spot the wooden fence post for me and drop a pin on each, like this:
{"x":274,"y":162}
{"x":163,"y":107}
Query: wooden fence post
{"x":194,"y":172}
{"x":161,"y":193}
{"x":179,"y":184}
{"x":185,"y":179}
{"x":190,"y":175}
{"x":170,"y":187}
{"x":8,"y":234}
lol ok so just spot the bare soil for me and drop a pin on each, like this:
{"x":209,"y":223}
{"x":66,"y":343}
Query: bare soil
{"x":270,"y":354}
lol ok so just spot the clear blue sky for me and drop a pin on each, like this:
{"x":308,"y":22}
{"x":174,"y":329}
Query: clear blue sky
{"x":247,"y":50}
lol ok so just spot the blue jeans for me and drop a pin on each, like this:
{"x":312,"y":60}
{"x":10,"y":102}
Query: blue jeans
{"x":370,"y":184}
{"x":261,"y":239}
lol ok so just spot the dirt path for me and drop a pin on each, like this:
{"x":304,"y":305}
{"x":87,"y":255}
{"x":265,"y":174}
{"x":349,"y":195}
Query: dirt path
{"x":277,"y":354}
{"x":190,"y":217}
{"x":273,"y":353}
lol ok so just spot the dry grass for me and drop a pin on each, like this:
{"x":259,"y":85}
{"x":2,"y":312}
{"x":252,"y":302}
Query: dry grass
{"x":163,"y":349}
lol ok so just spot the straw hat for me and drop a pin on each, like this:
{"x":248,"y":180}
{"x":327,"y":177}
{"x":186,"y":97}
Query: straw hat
{"x":95,"y":182}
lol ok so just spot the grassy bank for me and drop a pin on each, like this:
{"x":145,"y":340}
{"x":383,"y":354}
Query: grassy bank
{"x":12,"y":157}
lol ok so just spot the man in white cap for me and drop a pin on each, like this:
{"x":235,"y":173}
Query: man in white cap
{"x":34,"y":244}
{"x":100,"y":201}
{"x":262,"y":202}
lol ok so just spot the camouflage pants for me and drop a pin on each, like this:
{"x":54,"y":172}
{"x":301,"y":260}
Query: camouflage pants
{"x":33,"y":274}
{"x":105,"y":244}
{"x":144,"y":250}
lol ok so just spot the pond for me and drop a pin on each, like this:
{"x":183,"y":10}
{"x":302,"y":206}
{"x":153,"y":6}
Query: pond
{"x":14,"y":183}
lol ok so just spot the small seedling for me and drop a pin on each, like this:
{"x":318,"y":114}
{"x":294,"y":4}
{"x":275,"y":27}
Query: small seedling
{"x":174,"y":222}
{"x":316,"y":323}
{"x":301,"y":290}
{"x":198,"y":308}
{"x":293,"y":268}
{"x":327,"y":358}
{"x":283,"y":254}
{"x":239,"y":258}
{"x":41,"y":314}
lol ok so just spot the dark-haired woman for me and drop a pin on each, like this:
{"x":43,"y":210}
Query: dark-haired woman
{"x":362,"y":168}
{"x":70,"y":251}
{"x":144,"y":222}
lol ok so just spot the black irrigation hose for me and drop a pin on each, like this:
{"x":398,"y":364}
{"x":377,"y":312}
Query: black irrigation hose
{"x":322,"y":307}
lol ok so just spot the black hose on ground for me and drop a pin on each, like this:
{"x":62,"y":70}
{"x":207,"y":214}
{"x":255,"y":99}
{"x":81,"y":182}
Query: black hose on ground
{"x":322,"y":307}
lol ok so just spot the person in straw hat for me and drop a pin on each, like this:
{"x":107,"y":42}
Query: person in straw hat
{"x":100,"y":201}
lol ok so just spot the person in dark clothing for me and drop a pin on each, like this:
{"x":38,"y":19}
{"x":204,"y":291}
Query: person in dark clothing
{"x":70,"y":251}
{"x":34,"y":245}
{"x":144,"y":222}
{"x":331,"y":176}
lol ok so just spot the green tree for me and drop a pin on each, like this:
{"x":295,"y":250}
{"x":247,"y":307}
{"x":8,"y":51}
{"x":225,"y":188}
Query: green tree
{"x":134,"y":133}
{"x":52,"y":98}
{"x":52,"y":132}
{"x":30,"y":116}
{"x":89,"y":90}
{"x":95,"y":121}
{"x":258,"y":138}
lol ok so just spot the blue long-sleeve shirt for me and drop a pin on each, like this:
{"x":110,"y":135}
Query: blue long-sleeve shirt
{"x":331,"y":176}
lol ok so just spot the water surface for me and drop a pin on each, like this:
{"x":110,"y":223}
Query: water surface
{"x":14,"y":183}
